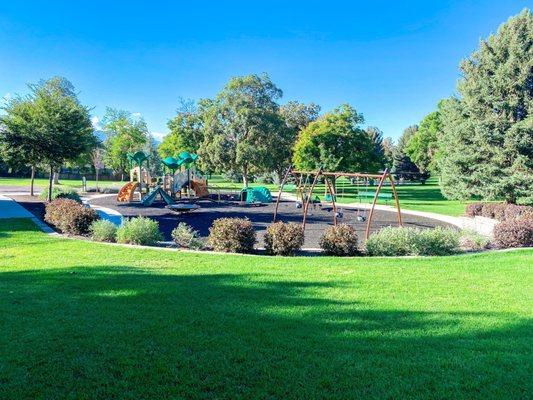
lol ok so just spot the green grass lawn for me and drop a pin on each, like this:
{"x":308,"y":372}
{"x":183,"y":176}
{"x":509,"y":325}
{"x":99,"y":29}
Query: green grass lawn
{"x":66,"y":183}
{"x":90,"y":321}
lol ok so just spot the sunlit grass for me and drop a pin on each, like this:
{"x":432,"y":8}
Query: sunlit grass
{"x":88,"y":320}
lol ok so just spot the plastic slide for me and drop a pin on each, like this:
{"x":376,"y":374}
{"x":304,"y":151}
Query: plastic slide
{"x":200,"y":189}
{"x":126,"y":192}
{"x":149,"y":199}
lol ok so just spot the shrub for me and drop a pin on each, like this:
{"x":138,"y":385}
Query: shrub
{"x":103,"y":231}
{"x":437,"y":242}
{"x":69,"y":216}
{"x":284,"y":239}
{"x":235,"y":235}
{"x":186,"y":236}
{"x":139,"y":230}
{"x":472,"y":241}
{"x":392,"y":242}
{"x":516,"y":232}
{"x":340,"y":240}
{"x":412,"y":242}
{"x":514,"y":211}
{"x":473,"y":209}
{"x":58,"y":193}
{"x":488,"y":210}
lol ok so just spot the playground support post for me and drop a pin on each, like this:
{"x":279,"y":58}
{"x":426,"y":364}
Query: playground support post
{"x":309,"y":195}
{"x":333,"y":194}
{"x":285,"y":177}
{"x":396,"y":200}
{"x":376,"y":195}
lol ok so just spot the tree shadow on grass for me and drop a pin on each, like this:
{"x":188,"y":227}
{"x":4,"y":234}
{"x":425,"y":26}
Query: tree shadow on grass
{"x":120,"y":332}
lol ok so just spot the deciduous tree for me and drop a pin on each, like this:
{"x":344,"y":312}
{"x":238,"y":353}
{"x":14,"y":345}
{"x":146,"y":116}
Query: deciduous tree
{"x":335,"y":142}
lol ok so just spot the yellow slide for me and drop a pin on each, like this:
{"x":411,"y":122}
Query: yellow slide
{"x":126,"y":192}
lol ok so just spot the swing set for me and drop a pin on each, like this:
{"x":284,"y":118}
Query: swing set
{"x":304,"y":182}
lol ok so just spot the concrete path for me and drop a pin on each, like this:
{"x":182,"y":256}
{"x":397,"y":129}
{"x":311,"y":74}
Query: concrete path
{"x":9,"y":208}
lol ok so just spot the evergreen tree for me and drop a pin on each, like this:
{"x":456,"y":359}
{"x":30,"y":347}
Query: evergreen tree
{"x":402,"y":166}
{"x":487,"y":142}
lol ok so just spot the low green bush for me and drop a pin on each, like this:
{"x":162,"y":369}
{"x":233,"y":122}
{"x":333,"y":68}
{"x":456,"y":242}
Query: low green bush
{"x":284,"y":239}
{"x":516,"y":232}
{"x":103,"y":231}
{"x":185,"y":236}
{"x":392,"y":241}
{"x":58,"y":193}
{"x":472,"y":241}
{"x":437,"y":242}
{"x":70,"y":217}
{"x":139,"y":230}
{"x":233,"y":235}
{"x":340,"y":240}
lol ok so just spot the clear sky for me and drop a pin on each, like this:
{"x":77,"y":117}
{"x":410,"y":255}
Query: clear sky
{"x":392,"y":60}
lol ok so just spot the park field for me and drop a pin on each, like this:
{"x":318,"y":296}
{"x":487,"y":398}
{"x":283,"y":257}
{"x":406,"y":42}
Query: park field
{"x":88,"y":320}
{"x":412,"y":196}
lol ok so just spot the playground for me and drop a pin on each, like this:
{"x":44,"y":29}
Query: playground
{"x":310,"y":198}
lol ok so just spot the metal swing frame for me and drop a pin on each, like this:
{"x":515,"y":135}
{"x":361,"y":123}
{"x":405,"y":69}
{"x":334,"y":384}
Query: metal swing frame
{"x":329,"y":177}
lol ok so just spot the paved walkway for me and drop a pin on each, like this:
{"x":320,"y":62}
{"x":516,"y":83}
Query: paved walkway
{"x":9,"y":208}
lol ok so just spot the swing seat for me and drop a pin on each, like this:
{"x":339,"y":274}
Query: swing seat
{"x":328,"y":197}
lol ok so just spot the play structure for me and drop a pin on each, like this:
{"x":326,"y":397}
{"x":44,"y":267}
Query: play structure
{"x":181,"y":179}
{"x":305,"y":182}
{"x":255,"y":195}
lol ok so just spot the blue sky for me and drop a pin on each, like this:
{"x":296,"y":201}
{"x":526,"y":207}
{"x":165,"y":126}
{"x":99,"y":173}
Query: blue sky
{"x":393,"y":61}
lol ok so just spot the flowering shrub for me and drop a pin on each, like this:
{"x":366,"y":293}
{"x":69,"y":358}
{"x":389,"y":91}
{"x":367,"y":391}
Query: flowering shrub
{"x":284,"y":239}
{"x":234,"y":235}
{"x":516,"y":232}
{"x":340,"y":240}
{"x":69,"y":216}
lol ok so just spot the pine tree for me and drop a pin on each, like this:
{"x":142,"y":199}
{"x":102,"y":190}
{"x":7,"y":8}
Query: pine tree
{"x":486,"y":149}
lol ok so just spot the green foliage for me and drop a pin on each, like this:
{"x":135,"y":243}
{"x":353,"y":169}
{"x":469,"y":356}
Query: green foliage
{"x":473,"y":241}
{"x":69,"y":216}
{"x":58,"y":193}
{"x":284,"y":239}
{"x":402,"y":164}
{"x":244,"y":131}
{"x":517,"y":232}
{"x":186,"y":131}
{"x":340,"y":240}
{"x":103,"y":231}
{"x":49,"y":126}
{"x":336,"y":142}
{"x":125,"y":134}
{"x":139,"y":230}
{"x":487,"y":142}
{"x":388,"y":152}
{"x":185,"y":236}
{"x":376,"y":137}
{"x":412,"y":242}
{"x":423,"y":145}
{"x":232,"y":235}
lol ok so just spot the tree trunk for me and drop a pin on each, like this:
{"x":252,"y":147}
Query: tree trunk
{"x":97,"y":189}
{"x":245,"y":176}
{"x":50,"y":181}
{"x":32,"y":180}
{"x":122,"y":176}
{"x":56,"y":178}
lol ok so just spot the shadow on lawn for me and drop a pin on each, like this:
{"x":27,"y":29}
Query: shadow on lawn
{"x":119,"y":332}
